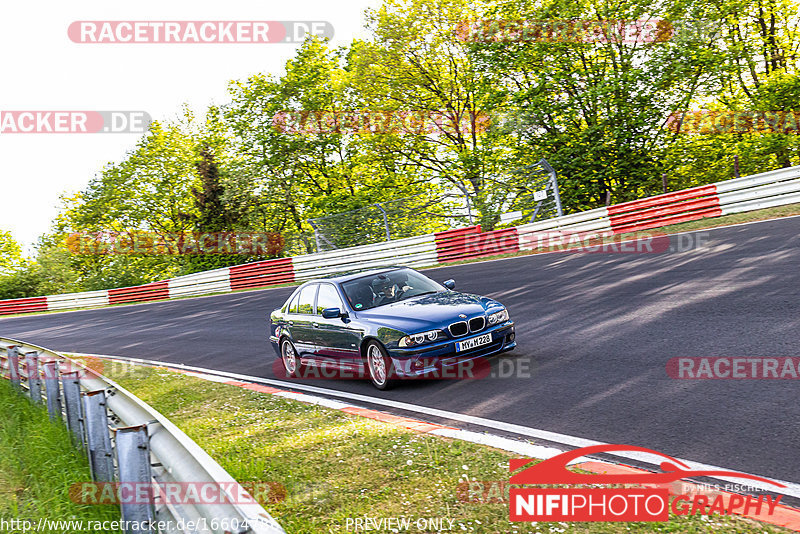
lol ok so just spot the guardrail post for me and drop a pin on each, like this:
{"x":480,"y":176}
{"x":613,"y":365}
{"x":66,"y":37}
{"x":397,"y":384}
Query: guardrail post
{"x":13,"y":364}
{"x":385,"y":222}
{"x":554,"y":182}
{"x":133,"y":459}
{"x":98,"y":441}
{"x":50,"y":370}
{"x":71,"y":384}
{"x":34,"y":378}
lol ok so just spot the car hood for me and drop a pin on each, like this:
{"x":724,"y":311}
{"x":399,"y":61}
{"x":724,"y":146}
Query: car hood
{"x":429,"y":312}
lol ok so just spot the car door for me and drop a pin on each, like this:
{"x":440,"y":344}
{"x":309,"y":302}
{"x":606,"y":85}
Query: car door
{"x":337,"y":342}
{"x":301,"y":322}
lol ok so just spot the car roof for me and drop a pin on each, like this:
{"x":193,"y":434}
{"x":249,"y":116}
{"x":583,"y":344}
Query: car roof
{"x":352,"y":275}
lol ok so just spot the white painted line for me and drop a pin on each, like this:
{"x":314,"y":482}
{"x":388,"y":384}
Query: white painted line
{"x":791,"y":488}
{"x":435,"y":412}
{"x":313,"y":399}
{"x":210,"y":378}
{"x":506,"y":444}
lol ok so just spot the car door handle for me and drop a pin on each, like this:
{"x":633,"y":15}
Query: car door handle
{"x":291,"y":323}
{"x":315,"y":325}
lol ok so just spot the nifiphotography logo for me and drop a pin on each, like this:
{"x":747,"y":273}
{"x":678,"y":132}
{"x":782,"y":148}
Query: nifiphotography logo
{"x":650,"y":501}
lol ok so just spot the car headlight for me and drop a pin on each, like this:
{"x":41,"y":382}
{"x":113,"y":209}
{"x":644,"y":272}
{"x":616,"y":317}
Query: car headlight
{"x":413,"y":340}
{"x":498,"y":317}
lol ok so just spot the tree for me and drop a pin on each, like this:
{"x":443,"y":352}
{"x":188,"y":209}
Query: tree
{"x":595,"y":107}
{"x":10,"y":254}
{"x":758,"y":43}
{"x":292,"y":176}
{"x":415,"y":62}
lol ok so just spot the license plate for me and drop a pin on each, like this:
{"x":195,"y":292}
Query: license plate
{"x":485,"y":339}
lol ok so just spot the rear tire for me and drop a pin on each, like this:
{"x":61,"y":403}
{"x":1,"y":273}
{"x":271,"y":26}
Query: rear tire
{"x":290,"y":359}
{"x":379,"y":366}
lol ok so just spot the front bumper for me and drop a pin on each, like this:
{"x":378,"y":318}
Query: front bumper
{"x":442,"y":360}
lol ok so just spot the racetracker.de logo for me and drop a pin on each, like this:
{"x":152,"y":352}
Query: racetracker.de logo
{"x":372,"y":121}
{"x":649,"y":502}
{"x":600,"y":241}
{"x":178,"y":493}
{"x":142,"y":242}
{"x":197,"y":31}
{"x":73,"y":122}
{"x":724,"y":368}
{"x":584,"y":31}
{"x":413,"y":369}
{"x":711,"y":122}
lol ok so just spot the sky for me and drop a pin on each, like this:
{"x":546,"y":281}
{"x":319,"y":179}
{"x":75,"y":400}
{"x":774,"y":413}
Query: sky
{"x":43,"y":70}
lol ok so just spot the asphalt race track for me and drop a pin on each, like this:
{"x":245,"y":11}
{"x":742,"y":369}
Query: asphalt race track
{"x":595,"y":332}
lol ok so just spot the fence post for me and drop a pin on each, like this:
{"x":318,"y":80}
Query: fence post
{"x":133,"y":459}
{"x":13,"y":364}
{"x":98,"y":441}
{"x":385,"y":222}
{"x":554,"y":181}
{"x":50,"y":370}
{"x":34,"y":378}
{"x":71,"y":384}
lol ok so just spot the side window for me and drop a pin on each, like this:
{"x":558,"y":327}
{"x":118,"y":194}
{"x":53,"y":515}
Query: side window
{"x":328,"y":297}
{"x":292,"y":306}
{"x":306,"y":301}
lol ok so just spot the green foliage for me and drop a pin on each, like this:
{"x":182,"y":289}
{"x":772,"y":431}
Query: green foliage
{"x":24,"y":282}
{"x":38,"y":464}
{"x":10,"y":254}
{"x":595,"y":110}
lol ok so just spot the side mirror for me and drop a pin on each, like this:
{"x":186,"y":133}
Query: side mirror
{"x":331,"y":313}
{"x":449,"y":284}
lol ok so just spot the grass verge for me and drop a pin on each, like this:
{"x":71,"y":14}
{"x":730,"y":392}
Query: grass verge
{"x":38,"y":463}
{"x":336,"y":466}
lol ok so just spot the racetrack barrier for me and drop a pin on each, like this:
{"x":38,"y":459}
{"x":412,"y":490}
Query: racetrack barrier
{"x":32,"y":304}
{"x":261,"y":274}
{"x":671,"y":208}
{"x":147,"y":292}
{"x":148,"y":448}
{"x":764,"y":190}
{"x":411,"y":251}
{"x":470,"y":243}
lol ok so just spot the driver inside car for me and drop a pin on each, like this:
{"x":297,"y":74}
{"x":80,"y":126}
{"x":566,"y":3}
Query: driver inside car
{"x":386,"y":290}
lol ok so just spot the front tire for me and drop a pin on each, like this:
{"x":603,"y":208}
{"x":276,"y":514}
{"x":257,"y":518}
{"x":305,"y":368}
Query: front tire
{"x":379,"y":366}
{"x":290,"y":359}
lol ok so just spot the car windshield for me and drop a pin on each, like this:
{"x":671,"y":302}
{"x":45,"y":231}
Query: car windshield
{"x":384,"y":288}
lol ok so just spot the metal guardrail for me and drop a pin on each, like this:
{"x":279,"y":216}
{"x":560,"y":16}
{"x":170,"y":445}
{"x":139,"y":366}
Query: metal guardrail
{"x":411,"y":251}
{"x":72,"y":300}
{"x":127,"y":441}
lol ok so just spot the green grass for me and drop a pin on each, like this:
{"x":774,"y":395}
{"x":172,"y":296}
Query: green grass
{"x":38,"y":463}
{"x":335,"y":465}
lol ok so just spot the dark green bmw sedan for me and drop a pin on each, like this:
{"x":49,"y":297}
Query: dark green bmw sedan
{"x":386,"y":325}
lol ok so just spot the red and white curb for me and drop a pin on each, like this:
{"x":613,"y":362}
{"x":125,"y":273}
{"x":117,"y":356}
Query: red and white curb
{"x":783,"y":516}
